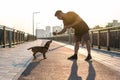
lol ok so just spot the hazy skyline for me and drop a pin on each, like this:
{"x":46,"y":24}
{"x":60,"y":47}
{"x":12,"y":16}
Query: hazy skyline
{"x":18,"y":13}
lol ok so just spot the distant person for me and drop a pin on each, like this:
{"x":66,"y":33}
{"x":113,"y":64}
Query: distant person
{"x":73,"y":20}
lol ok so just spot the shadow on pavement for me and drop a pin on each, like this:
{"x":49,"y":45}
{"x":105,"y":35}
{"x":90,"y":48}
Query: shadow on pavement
{"x":73,"y":74}
{"x":57,"y":47}
{"x":30,"y":67}
{"x":111,"y":53}
{"x":92,"y":73}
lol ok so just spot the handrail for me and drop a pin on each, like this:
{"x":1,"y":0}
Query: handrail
{"x":10,"y":37}
{"x":105,"y":38}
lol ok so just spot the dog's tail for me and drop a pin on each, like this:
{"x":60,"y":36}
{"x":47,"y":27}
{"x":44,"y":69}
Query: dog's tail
{"x":29,"y":48}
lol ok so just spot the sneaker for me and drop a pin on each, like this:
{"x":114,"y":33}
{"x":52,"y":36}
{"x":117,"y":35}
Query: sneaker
{"x":73,"y":57}
{"x":88,"y":58}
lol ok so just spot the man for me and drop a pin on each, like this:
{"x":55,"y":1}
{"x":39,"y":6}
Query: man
{"x":73,"y":20}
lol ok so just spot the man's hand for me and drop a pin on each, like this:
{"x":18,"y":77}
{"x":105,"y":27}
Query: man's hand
{"x":54,"y":33}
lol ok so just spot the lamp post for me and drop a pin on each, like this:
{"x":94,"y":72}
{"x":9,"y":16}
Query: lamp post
{"x":33,"y":20}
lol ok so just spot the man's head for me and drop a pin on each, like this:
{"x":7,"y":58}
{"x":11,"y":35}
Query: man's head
{"x":59,"y":14}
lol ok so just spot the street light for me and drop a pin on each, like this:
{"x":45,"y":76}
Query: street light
{"x":33,"y":20}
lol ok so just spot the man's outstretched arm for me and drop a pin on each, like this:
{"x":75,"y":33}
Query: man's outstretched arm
{"x":62,"y":31}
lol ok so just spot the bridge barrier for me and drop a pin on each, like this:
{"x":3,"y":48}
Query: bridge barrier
{"x":105,"y":38}
{"x":108,"y":38}
{"x":10,"y":36}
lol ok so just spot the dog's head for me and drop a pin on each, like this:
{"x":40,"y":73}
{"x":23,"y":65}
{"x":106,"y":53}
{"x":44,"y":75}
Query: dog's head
{"x":48,"y":43}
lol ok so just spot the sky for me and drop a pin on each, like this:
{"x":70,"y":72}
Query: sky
{"x":18,"y":14}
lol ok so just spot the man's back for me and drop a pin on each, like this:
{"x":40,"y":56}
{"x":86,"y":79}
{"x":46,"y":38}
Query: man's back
{"x":71,"y":17}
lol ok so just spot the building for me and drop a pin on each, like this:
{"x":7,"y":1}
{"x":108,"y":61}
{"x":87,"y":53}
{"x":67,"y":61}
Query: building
{"x":40,"y":33}
{"x":48,"y":31}
{"x":115,"y":23}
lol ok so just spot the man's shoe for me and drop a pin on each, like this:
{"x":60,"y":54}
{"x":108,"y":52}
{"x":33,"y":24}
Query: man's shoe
{"x":73,"y":57}
{"x":88,"y":58}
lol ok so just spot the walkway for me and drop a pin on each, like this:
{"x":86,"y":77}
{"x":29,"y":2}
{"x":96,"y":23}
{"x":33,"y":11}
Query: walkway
{"x":13,"y":61}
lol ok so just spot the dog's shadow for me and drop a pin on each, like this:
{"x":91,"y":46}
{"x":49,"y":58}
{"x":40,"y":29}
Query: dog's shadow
{"x":31,"y":66}
{"x":52,"y":49}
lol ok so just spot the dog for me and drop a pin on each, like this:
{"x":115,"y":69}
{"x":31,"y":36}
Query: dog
{"x":41,"y":49}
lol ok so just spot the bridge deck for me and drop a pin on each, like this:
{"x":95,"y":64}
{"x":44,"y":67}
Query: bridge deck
{"x":13,"y":61}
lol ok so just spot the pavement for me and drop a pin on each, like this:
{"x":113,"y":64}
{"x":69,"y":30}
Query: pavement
{"x":17,"y":63}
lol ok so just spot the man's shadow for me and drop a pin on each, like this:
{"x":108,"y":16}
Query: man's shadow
{"x":74,"y":69}
{"x":91,"y":72}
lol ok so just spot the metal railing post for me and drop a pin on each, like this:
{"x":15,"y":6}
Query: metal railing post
{"x":4,"y":37}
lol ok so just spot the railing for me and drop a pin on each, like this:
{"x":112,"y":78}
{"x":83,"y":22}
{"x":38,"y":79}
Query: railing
{"x":106,"y":38}
{"x":9,"y":36}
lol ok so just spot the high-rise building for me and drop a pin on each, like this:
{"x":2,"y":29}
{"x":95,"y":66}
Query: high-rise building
{"x":40,"y":33}
{"x":115,"y":23}
{"x":48,"y":31}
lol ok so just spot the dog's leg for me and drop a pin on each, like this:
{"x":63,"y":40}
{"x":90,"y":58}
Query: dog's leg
{"x":44,"y":56}
{"x":34,"y":55}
